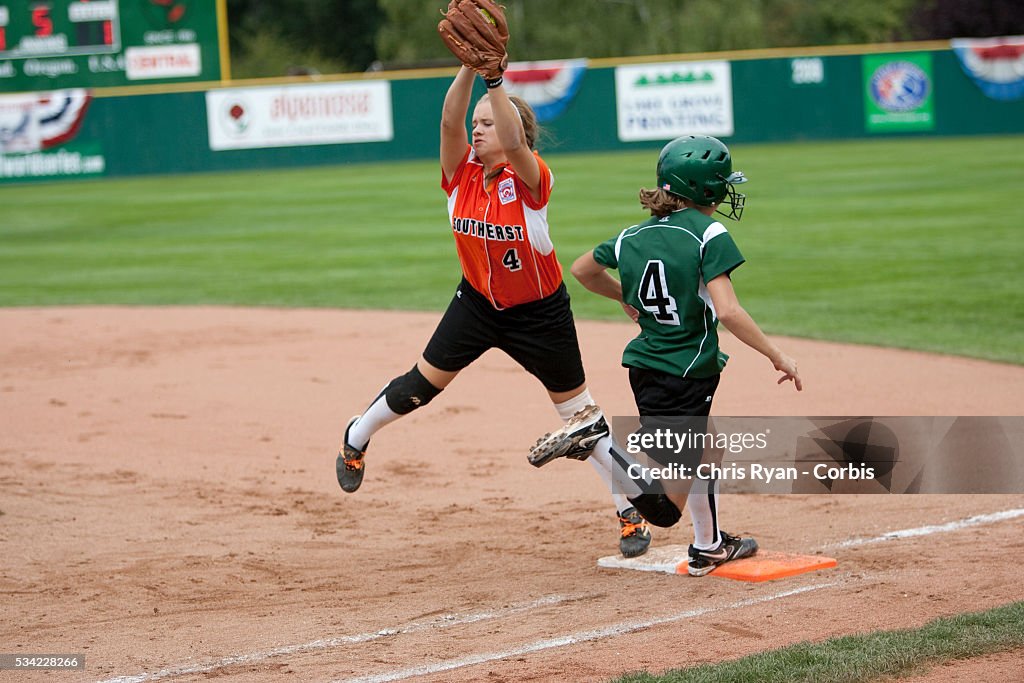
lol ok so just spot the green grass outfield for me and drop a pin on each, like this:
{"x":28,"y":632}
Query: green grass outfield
{"x":912,"y":242}
{"x":879,"y":656}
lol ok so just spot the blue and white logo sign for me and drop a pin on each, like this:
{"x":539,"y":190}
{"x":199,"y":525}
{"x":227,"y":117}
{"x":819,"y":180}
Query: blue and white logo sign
{"x":900,"y":86}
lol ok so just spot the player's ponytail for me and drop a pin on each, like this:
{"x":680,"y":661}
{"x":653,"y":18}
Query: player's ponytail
{"x":661,"y":203}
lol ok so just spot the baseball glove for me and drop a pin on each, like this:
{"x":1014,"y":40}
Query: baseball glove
{"x":476,"y":33}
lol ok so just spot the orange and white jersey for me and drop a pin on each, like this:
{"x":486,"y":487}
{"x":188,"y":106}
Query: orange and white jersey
{"x":501,"y":233}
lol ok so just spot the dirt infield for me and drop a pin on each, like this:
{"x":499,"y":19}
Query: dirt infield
{"x":169,"y":509}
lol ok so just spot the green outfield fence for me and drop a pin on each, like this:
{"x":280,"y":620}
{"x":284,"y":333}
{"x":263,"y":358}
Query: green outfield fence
{"x":808,"y":94}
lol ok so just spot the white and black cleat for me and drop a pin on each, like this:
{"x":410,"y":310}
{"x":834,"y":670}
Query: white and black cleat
{"x":575,"y":440}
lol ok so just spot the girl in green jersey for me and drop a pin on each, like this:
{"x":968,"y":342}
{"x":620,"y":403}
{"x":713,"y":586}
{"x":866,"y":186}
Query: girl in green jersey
{"x":674,"y":281}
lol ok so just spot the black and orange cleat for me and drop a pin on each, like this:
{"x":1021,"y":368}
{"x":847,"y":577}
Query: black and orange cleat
{"x":636,"y":535}
{"x":350,"y":466}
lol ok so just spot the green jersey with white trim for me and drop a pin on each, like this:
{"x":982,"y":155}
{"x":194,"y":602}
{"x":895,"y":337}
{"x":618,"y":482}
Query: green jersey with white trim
{"x":664,"y":265}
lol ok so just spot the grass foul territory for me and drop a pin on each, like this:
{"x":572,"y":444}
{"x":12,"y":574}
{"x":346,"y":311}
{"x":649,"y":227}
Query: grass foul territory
{"x":863,"y":658}
{"x":908,"y":242}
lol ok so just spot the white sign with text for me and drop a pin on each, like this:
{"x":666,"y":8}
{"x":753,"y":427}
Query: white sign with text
{"x":664,"y":101}
{"x":299,"y":115}
{"x":163,"y":61}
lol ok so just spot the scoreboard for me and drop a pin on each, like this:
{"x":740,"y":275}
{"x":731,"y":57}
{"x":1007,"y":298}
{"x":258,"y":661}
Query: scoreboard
{"x":53,"y":44}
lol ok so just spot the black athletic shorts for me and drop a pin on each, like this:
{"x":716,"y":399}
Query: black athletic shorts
{"x":540,"y":336}
{"x":659,"y":393}
{"x":667,"y":403}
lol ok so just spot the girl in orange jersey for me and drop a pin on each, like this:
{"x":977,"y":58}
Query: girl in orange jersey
{"x":511,"y":296}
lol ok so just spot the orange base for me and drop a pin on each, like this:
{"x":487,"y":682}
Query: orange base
{"x":764,"y":566}
{"x":767,"y":565}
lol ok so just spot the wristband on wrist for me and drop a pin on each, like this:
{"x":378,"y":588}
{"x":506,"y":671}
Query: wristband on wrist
{"x":492,"y":83}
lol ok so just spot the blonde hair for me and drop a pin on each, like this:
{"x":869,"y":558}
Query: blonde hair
{"x":661,"y":202}
{"x":526,"y":115}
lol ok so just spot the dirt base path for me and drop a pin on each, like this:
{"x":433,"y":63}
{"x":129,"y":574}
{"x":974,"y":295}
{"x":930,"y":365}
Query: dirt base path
{"x":169,"y":508}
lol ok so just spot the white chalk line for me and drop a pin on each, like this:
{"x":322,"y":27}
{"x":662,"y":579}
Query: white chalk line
{"x":455,"y":620}
{"x":446,"y":621}
{"x":627,"y":627}
{"x":957,"y":525}
{"x":572,"y":639}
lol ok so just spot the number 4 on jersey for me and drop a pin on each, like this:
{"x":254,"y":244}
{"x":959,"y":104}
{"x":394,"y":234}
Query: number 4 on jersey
{"x":511,"y":260}
{"x":654,"y":294}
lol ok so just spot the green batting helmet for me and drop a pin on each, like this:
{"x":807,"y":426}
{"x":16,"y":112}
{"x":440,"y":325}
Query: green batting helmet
{"x":699,"y":168}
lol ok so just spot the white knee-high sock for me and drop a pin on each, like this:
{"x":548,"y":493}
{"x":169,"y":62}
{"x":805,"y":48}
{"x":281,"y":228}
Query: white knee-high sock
{"x":375,"y":417}
{"x":703,"y":504}
{"x":566,"y":409}
{"x":600,"y":458}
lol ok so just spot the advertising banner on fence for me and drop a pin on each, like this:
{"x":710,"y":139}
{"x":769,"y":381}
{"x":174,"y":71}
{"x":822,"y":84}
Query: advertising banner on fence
{"x":898,"y":92}
{"x":299,"y":115}
{"x":664,"y":101}
{"x":38,"y":134}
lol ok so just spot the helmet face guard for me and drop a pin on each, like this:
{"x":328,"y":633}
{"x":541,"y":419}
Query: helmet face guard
{"x":736,"y":201}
